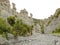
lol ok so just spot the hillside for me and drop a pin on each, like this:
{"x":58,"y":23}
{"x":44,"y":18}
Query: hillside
{"x":17,"y":27}
{"x":10,"y":15}
{"x":53,"y":23}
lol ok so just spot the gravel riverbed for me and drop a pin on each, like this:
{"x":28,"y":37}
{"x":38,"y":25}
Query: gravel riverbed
{"x":36,"y":39}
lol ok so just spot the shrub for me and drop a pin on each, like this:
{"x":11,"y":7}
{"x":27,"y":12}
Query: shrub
{"x":3,"y":27}
{"x":57,"y":30}
{"x":15,"y":27}
{"x":11,"y":20}
{"x":21,"y":28}
{"x":42,"y":29}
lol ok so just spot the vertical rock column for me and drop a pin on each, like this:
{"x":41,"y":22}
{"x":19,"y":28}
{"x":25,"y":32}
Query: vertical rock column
{"x":13,"y":9}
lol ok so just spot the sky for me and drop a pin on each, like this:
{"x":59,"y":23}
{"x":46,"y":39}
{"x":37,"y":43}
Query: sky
{"x":40,"y":9}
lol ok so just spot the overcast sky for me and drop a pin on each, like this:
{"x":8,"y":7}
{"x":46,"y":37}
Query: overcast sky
{"x":39,"y":8}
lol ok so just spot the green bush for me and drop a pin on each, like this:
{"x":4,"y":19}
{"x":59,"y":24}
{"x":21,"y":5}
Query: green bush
{"x":3,"y":27}
{"x":57,"y":30}
{"x":21,"y":28}
{"x":42,"y":28}
{"x":11,"y":20}
{"x":15,"y":27}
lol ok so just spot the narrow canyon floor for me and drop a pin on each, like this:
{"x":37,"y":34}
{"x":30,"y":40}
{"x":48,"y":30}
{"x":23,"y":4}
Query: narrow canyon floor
{"x":36,"y":39}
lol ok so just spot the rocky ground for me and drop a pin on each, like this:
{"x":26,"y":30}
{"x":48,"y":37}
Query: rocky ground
{"x":36,"y":39}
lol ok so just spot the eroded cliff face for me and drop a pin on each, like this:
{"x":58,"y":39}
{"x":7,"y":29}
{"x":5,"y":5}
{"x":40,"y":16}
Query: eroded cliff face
{"x":53,"y":22}
{"x":6,"y":11}
{"x":48,"y":25}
